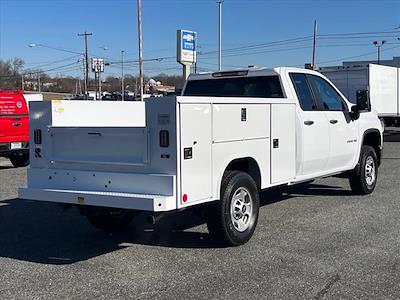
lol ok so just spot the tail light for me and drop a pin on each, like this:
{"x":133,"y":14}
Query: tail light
{"x":37,"y":136}
{"x":164,"y":138}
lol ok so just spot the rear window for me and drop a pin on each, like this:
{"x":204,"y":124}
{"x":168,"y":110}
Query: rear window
{"x":252,"y":87}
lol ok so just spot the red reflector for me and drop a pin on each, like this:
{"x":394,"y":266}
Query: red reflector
{"x":184,"y":198}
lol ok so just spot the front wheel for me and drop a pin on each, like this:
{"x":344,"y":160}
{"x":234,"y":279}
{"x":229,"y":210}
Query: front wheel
{"x":364,"y":178}
{"x":233,"y":219}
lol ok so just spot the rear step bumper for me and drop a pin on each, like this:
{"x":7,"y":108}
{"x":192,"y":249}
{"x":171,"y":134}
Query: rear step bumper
{"x":6,"y":148}
{"x":155,"y":203}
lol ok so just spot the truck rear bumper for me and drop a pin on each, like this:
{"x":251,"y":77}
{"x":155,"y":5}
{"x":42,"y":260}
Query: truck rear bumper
{"x":6,"y":149}
{"x":154,"y":203}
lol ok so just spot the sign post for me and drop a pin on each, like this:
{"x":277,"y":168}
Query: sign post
{"x":97,"y":68}
{"x":186,"y":50}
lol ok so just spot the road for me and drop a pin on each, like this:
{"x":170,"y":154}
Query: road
{"x":316,"y":241}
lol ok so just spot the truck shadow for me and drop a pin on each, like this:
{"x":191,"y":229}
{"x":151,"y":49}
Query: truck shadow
{"x":43,"y":233}
{"x":392,"y":135}
{"x":6,"y":167}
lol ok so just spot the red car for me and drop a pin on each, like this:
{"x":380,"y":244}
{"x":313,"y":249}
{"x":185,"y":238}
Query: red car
{"x":14,"y":127}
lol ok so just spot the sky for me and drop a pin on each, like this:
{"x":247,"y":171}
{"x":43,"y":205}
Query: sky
{"x":255,"y":32}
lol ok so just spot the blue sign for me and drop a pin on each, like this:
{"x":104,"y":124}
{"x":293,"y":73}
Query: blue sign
{"x":188,"y":40}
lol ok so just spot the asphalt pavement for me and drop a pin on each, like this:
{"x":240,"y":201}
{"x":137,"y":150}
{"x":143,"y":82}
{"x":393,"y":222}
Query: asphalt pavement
{"x":316,"y":241}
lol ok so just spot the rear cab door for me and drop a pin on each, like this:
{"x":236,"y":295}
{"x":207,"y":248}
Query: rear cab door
{"x":313,"y":141}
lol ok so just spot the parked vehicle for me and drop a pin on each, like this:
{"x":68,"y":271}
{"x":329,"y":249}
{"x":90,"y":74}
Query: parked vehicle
{"x":14,"y":127}
{"x":381,"y":82}
{"x":229,"y":136}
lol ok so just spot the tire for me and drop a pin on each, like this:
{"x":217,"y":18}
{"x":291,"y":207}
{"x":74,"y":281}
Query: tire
{"x":110,"y":220}
{"x":233,"y":223}
{"x":19,"y":160}
{"x":365,"y":176}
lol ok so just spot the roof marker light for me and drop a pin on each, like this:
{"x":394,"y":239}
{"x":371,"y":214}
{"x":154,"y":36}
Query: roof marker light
{"x":230,"y":74}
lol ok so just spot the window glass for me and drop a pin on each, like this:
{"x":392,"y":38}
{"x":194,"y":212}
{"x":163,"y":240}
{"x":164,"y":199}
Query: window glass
{"x":326,"y":94}
{"x":303,"y":91}
{"x":252,"y":87}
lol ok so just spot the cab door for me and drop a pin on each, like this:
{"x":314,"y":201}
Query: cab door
{"x":343,"y":131}
{"x":313,"y":139}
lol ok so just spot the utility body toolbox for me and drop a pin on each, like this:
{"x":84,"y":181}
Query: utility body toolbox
{"x":159,"y":155}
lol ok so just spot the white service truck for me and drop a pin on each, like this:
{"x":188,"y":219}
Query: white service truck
{"x":230,"y":135}
{"x":381,"y":82}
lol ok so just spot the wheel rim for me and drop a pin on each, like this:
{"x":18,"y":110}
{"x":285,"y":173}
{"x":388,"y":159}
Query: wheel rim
{"x":370,"y":173}
{"x":241,"y":209}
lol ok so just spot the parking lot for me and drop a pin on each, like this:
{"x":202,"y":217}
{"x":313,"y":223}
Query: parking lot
{"x":316,"y":241}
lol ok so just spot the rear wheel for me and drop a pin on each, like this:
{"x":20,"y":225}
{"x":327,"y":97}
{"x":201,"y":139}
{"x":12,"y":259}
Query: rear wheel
{"x":110,"y":220}
{"x":233,"y":219}
{"x":19,"y":160}
{"x":364,"y":178}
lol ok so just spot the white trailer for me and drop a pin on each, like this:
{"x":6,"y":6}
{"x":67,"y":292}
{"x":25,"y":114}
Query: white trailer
{"x":382,"y":82}
{"x":230,"y":135}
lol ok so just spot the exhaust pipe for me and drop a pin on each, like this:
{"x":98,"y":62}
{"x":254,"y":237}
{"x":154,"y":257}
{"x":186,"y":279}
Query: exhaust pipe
{"x":155,"y":218}
{"x":151,"y":219}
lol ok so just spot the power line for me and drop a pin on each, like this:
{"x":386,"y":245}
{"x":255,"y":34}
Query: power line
{"x":56,"y":62}
{"x":357,"y":56}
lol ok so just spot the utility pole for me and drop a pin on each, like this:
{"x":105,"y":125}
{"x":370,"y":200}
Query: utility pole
{"x":80,"y":87}
{"x":39,"y":83}
{"x":85,"y":35}
{"x":313,"y":63}
{"x":220,"y":34}
{"x":22,"y":81}
{"x":379,"y":44}
{"x":122,"y":76}
{"x":141,"y":80}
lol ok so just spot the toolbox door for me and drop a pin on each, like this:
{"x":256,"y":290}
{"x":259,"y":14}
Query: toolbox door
{"x":196,"y":178}
{"x":283,"y":143}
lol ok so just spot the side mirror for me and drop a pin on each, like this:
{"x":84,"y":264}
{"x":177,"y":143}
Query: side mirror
{"x":354,"y":113}
{"x":363,"y":100}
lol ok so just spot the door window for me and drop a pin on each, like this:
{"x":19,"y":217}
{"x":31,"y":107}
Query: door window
{"x":303,"y":91}
{"x":327,"y":96}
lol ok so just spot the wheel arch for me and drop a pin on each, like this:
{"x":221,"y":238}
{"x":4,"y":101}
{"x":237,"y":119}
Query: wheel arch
{"x":245,"y":164}
{"x":373,"y":138}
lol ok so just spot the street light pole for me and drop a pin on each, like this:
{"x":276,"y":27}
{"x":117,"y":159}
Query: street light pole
{"x":85,"y":35}
{"x":122,"y":76}
{"x":378,"y":45}
{"x":220,"y":34}
{"x":141,"y":80}
{"x":32,"y":45}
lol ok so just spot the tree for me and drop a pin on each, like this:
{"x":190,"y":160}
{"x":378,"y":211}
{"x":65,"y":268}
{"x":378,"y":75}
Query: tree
{"x":10,"y":73}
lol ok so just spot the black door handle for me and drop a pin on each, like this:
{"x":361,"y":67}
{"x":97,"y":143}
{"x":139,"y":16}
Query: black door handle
{"x":94,"y":133}
{"x":308,"y":123}
{"x":333,"y":121}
